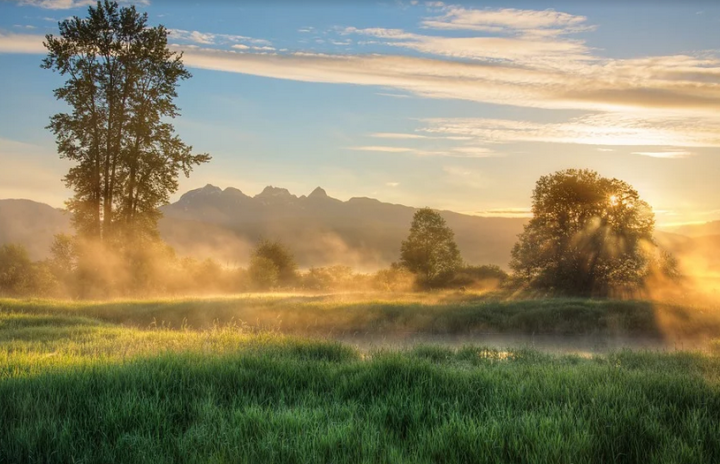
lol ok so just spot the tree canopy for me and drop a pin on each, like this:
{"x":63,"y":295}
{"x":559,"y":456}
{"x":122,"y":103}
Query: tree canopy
{"x":430,"y":251}
{"x":121,"y":81}
{"x":272,"y":253}
{"x":589,"y":235}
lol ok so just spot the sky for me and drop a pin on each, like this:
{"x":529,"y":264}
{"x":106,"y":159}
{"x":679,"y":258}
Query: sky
{"x":457,"y":106}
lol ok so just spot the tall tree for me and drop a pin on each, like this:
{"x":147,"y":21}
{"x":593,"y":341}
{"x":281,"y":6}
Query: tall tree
{"x":589,"y":235}
{"x":430,"y":250}
{"x":121,"y":85}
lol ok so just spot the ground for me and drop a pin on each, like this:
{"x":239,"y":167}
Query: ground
{"x":196,"y":380}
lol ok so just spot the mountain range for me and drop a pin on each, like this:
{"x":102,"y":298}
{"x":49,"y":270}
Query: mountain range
{"x":364,"y":233}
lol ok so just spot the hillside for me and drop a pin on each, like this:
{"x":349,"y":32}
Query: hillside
{"x":31,"y":224}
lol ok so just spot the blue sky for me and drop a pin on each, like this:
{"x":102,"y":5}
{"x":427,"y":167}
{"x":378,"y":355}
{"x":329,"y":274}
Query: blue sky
{"x":456,"y":106}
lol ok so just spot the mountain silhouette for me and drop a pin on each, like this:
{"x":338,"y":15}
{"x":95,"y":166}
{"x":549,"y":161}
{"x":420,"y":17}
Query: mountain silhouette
{"x":364,"y":233}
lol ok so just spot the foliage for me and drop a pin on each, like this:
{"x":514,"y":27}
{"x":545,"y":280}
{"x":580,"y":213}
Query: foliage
{"x":336,"y":278}
{"x":280,"y":256}
{"x":75,"y":389}
{"x":589,"y":235}
{"x":394,"y":279}
{"x":121,"y":81}
{"x":430,"y":250}
{"x":264,"y":273}
{"x":481,"y":277}
{"x":19,"y":276}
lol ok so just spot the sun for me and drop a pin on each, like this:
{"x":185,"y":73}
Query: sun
{"x":613,"y":200}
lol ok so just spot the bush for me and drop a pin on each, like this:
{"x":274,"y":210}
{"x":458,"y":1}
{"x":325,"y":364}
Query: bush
{"x":479,"y":277}
{"x":264,"y":274}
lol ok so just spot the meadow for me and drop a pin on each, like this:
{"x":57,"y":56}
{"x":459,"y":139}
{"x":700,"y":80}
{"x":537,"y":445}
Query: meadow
{"x":199,"y":380}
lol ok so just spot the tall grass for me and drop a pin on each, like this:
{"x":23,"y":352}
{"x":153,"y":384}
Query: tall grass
{"x":77,"y":389}
{"x":442,"y":313}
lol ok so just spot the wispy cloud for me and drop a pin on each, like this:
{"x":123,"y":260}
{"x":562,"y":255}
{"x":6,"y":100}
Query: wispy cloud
{"x":453,"y":152}
{"x":508,"y":20}
{"x":383,"y":149}
{"x":505,"y":212}
{"x":70,"y":4}
{"x":392,"y":184}
{"x":664,"y":154}
{"x":619,"y":129}
{"x":21,"y":43}
{"x":671,"y":101}
{"x":392,"y":135}
{"x":211,"y":38}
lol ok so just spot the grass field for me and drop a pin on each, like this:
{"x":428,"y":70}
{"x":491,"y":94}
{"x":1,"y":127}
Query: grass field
{"x":376,"y":313}
{"x":95,"y":382}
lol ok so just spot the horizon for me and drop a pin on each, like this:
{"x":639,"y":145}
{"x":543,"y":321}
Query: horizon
{"x":447,"y":105}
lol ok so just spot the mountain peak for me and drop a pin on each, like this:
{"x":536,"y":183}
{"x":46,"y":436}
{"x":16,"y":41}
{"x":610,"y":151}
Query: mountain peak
{"x":319,"y":192}
{"x":208,"y":190}
{"x":274,"y":193}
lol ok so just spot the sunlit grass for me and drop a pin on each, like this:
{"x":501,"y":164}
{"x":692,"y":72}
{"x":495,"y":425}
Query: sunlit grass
{"x":377,"y":313}
{"x":78,"y":388}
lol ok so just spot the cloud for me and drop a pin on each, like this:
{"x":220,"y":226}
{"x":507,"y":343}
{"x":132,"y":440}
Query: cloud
{"x":618,"y":129}
{"x":524,"y":49}
{"x":508,"y":20}
{"x":393,"y":95}
{"x":21,"y":43}
{"x":664,"y":154}
{"x":392,"y":184}
{"x":383,"y":149}
{"x":460,"y":152}
{"x":505,"y":212}
{"x":475,"y":152}
{"x":653,"y":101}
{"x":391,"y":135}
{"x":70,"y":4}
{"x":211,"y":38}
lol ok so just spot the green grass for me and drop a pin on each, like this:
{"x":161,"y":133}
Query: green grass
{"x":441,"y":313}
{"x":77,"y":387}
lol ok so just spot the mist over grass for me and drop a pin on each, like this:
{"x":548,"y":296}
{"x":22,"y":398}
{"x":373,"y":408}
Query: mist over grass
{"x":394,"y":315}
{"x":77,"y":388}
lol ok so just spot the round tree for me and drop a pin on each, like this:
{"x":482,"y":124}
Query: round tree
{"x":279,"y":256}
{"x":430,"y":251}
{"x":589,"y":236}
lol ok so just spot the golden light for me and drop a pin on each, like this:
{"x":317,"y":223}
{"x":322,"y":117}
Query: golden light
{"x":613,"y":200}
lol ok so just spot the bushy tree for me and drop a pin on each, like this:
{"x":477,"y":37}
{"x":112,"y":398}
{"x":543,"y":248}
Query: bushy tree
{"x":19,"y":276}
{"x":484,"y":277}
{"x":16,"y":270}
{"x":121,"y":85}
{"x":589,"y":236}
{"x":280,"y":256}
{"x":264,"y":274}
{"x":430,"y":251}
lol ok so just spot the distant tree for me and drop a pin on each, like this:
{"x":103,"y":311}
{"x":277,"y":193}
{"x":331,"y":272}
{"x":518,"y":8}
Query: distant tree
{"x":16,"y":270}
{"x":280,"y":256}
{"x":263,"y":272}
{"x":430,"y":251}
{"x":19,"y":276}
{"x":121,"y":83}
{"x":485,"y":276}
{"x":589,"y":235}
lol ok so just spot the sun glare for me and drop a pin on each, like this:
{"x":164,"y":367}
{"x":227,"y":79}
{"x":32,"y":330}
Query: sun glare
{"x":613,"y":200}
